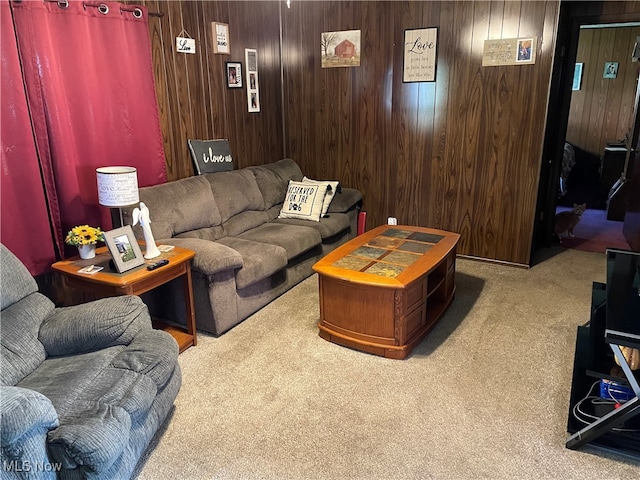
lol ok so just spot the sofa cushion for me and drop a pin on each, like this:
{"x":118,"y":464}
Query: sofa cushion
{"x":327,"y":227}
{"x":235,"y":192}
{"x":180,"y":206}
{"x":273,"y":187}
{"x":274,"y":211}
{"x":293,"y":238}
{"x":208,"y":233}
{"x":332,"y":188}
{"x":259,"y":260}
{"x":244,"y":221}
{"x":273,"y":179}
{"x":304,"y":201}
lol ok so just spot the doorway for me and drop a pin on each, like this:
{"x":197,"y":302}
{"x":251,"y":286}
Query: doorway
{"x":590,"y":110}
{"x":599,"y":123}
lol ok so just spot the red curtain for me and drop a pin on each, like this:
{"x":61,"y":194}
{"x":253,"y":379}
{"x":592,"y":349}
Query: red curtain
{"x":91,"y":94}
{"x":24,"y":221}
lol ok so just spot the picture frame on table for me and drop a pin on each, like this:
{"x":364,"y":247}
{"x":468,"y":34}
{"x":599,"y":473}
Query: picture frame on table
{"x":124,"y":248}
{"x":234,"y":74}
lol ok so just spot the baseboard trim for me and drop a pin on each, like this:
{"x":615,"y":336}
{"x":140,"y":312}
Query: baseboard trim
{"x":492,"y":260}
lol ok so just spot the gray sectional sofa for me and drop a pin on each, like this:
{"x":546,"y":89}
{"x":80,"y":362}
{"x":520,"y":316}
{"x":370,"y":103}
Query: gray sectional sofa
{"x":245,"y":255}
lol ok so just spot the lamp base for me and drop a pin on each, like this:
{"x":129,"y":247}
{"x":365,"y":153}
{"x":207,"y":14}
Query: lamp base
{"x":120,"y":217}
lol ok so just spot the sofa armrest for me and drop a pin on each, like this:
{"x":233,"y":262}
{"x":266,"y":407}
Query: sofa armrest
{"x":345,"y":200}
{"x":26,"y":418}
{"x":211,"y":257}
{"x":94,"y":325}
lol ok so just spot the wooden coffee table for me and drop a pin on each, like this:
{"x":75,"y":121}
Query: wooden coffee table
{"x":110,"y":283}
{"x":384,"y":290}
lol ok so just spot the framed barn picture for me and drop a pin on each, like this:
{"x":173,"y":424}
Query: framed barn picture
{"x":340,"y":49}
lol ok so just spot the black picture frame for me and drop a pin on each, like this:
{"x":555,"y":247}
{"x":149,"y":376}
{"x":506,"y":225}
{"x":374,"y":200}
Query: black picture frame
{"x":234,"y":74}
{"x":124,"y":248}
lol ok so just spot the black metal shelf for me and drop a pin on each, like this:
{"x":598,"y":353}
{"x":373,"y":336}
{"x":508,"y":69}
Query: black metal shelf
{"x":594,"y":360}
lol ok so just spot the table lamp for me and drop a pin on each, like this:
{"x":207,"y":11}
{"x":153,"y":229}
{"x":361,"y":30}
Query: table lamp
{"x":117,"y":188}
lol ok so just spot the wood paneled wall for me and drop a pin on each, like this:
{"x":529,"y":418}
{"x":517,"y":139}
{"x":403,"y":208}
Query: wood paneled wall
{"x":601,"y":110}
{"x":193,"y":98}
{"x":461,"y":153}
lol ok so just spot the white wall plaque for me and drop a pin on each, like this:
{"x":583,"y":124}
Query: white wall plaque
{"x":185,"y":45}
{"x":220,"y":35}
{"x":509,"y":51}
{"x":420,"y":55}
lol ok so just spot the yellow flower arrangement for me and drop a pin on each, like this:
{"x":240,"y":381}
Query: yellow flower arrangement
{"x":84,"y":235}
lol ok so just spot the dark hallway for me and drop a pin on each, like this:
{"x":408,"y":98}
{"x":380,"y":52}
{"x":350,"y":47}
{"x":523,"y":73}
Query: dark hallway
{"x":589,"y":181}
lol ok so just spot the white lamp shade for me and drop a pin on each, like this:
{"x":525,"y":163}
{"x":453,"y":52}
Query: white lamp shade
{"x":117,"y":186}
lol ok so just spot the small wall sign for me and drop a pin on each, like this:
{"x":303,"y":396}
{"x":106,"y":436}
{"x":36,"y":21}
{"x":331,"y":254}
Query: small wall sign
{"x":509,"y":51}
{"x":185,"y":45}
{"x":220,"y":35}
{"x":420,"y":55}
{"x":210,"y":156}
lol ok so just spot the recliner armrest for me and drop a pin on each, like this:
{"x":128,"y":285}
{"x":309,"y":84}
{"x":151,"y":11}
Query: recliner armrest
{"x":26,"y":418}
{"x":94,"y":325}
{"x":91,"y":439}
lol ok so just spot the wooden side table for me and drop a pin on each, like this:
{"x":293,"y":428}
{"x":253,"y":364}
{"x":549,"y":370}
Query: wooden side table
{"x":110,"y":283}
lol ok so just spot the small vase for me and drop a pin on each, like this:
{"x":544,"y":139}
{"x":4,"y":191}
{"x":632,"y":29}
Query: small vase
{"x":87,"y":251}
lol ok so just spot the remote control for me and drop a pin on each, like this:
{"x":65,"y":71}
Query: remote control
{"x":158,"y":264}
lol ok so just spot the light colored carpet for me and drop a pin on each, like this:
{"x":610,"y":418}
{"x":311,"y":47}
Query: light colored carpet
{"x":485,"y":395}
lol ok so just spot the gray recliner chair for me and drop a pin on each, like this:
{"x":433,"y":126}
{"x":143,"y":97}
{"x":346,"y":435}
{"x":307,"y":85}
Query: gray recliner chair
{"x":83,"y":389}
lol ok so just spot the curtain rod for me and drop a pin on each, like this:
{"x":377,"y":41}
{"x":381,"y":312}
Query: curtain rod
{"x":151,"y":14}
{"x":65,"y":4}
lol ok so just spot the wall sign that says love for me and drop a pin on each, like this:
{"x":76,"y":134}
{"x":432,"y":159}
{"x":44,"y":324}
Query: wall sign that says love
{"x":184,"y":43}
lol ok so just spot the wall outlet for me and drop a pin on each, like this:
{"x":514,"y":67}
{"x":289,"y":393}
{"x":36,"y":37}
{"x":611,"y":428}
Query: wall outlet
{"x":392,"y":221}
